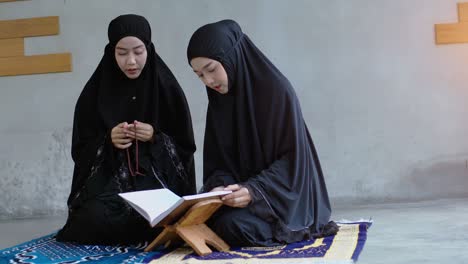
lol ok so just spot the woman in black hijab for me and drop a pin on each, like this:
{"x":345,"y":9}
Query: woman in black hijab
{"x":256,"y":144}
{"x":132,"y":131}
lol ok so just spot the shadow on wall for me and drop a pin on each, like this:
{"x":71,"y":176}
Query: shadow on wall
{"x":441,"y":178}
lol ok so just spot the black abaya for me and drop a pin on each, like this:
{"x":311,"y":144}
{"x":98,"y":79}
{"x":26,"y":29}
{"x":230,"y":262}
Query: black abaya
{"x":256,"y":136}
{"x":96,"y":213}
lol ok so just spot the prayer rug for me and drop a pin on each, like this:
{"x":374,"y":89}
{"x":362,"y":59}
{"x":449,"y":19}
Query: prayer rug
{"x":344,"y":247}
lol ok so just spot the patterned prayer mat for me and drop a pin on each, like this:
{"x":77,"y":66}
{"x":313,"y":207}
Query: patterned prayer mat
{"x":344,"y":247}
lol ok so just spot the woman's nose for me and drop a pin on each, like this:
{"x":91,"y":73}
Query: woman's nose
{"x":131,"y":60}
{"x":208,"y":81}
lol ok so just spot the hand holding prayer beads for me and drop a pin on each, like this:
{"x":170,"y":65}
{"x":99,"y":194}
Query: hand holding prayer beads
{"x":140,"y":131}
{"x":119,"y":136}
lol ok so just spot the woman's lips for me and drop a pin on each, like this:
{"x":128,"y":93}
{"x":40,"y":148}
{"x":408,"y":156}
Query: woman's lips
{"x":132,"y":71}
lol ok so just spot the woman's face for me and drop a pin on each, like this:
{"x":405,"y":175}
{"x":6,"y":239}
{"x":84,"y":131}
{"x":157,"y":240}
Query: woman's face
{"x":130,"y":54}
{"x":211,"y":73}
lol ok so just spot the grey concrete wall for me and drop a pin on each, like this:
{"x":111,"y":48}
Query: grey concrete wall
{"x":386,"y":107}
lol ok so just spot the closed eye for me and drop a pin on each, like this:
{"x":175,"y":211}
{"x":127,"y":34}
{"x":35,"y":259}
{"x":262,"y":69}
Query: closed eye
{"x":139,"y":50}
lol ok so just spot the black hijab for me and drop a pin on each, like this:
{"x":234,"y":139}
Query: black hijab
{"x":256,"y":136}
{"x":109,"y":98}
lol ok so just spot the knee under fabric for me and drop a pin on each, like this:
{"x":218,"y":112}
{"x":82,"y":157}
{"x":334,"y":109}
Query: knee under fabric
{"x":239,"y":227}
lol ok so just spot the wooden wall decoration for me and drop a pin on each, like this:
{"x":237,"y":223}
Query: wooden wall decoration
{"x":12,"y":58}
{"x":454,"y":32}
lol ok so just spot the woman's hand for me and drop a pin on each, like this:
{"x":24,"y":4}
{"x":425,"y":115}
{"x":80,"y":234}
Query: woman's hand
{"x":240,"y":196}
{"x":219,"y":188}
{"x":119,"y":136}
{"x":140,"y":131}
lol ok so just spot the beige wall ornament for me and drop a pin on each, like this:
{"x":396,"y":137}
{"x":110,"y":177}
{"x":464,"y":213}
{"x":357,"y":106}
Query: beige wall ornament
{"x":12,"y":58}
{"x":454,"y":32}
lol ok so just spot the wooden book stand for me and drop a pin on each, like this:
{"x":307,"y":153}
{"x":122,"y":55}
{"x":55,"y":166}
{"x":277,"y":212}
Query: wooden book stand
{"x":192,"y":229}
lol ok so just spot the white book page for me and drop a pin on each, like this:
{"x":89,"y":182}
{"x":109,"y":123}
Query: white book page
{"x":206,"y":195}
{"x":152,"y":202}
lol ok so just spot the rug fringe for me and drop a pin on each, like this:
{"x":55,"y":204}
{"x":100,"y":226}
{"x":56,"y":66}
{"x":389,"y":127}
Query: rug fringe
{"x":362,"y":220}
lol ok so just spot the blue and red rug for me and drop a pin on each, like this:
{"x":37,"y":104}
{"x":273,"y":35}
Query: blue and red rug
{"x":344,"y":247}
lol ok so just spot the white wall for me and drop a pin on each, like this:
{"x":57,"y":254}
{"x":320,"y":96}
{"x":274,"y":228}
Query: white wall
{"x":384,"y":104}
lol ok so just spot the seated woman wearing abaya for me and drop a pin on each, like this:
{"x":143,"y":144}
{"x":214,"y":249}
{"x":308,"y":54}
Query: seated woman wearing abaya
{"x":256,"y":145}
{"x":132,"y":131}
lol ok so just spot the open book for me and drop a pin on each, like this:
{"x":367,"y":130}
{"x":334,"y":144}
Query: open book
{"x":162,"y":206}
